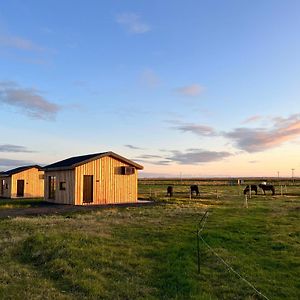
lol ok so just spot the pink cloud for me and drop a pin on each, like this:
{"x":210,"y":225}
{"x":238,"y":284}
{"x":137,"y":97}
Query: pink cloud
{"x":252,"y":119}
{"x":260,"y":139}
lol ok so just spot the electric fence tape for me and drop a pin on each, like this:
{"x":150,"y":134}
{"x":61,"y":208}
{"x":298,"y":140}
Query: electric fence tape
{"x":226,"y":264}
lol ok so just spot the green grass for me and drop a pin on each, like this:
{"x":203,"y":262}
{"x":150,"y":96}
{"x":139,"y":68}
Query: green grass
{"x":150,"y":252}
{"x":20,"y":203}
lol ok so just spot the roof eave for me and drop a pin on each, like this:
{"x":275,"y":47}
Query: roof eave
{"x":58,"y":169}
{"x":110,"y":153}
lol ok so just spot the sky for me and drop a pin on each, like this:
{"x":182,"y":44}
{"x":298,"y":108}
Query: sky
{"x":185,"y":88}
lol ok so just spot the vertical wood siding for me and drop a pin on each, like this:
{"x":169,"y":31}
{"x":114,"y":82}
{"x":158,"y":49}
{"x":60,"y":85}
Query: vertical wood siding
{"x":61,"y":196}
{"x":110,"y":186}
{"x":33,"y":183}
{"x":6,"y":191}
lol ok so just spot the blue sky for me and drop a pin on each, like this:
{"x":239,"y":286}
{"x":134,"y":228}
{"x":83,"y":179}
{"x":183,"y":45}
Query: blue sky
{"x":208,"y":88}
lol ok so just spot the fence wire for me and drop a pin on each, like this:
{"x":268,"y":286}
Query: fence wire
{"x":204,"y":219}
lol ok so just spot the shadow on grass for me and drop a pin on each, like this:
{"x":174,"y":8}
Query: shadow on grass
{"x":22,"y":203}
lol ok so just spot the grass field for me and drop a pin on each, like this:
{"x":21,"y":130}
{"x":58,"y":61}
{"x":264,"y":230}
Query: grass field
{"x":151,"y":252}
{"x":20,"y":203}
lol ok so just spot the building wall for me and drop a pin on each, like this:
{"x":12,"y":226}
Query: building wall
{"x":61,"y":196}
{"x":6,"y":181}
{"x":33,"y":183}
{"x":109,"y":185}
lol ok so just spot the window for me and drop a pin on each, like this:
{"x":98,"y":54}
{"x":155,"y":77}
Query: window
{"x":41,"y":176}
{"x":62,"y":185}
{"x":52,"y":186}
{"x":127,"y":170}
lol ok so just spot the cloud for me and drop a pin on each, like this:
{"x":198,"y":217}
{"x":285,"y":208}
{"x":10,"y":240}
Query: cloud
{"x":28,"y":100}
{"x":201,"y":130}
{"x":192,"y":90}
{"x":5,"y":162}
{"x":14,"y":149}
{"x":281,"y":130}
{"x":197,"y":156}
{"x":190,"y":156}
{"x":150,"y":79}
{"x":154,"y":162}
{"x":132,"y":23}
{"x":252,"y":119}
{"x":260,"y":139}
{"x":149,"y":156}
{"x":133,"y":147}
{"x":153,"y":159}
{"x":19,"y":43}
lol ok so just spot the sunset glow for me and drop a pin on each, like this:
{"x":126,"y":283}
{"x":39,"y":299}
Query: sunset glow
{"x":207,"y":88}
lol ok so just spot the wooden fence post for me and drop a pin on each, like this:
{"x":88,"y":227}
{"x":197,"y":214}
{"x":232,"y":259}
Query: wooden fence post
{"x":198,"y":251}
{"x":246,"y":201}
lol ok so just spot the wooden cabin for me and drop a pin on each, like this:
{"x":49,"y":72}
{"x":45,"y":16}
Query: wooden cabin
{"x":22,"y":182}
{"x":92,"y":179}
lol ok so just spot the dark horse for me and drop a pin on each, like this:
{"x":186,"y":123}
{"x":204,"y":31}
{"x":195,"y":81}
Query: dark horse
{"x":267,"y":187}
{"x":253,"y":188}
{"x":170,"y":191}
{"x":195,"y":189}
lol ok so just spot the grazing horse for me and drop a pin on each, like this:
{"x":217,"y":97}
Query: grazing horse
{"x":195,"y":189}
{"x":170,"y":191}
{"x":253,"y":188}
{"x":267,"y":187}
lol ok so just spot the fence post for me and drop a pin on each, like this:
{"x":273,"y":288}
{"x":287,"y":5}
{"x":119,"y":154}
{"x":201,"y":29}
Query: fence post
{"x":250,"y":192}
{"x":281,"y":190}
{"x":198,"y":251}
{"x":246,"y":201}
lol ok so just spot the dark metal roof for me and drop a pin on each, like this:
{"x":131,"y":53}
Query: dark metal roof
{"x":19,"y":169}
{"x":72,"y":162}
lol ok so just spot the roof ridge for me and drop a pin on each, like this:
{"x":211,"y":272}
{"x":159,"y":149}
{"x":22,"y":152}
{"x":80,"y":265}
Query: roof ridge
{"x":74,"y":161}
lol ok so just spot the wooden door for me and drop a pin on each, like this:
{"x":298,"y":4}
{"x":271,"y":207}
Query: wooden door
{"x":20,"y":188}
{"x":2,"y":187}
{"x":87,"y":188}
{"x":51,"y":187}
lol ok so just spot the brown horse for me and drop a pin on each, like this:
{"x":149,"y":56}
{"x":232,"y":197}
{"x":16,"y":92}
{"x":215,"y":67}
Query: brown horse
{"x":170,"y":191}
{"x":267,"y":187}
{"x":195,"y":189}
{"x":253,"y":188}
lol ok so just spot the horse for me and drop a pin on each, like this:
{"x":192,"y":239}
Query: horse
{"x":195,"y":189}
{"x":267,"y":187}
{"x":170,"y":191}
{"x":253,"y":188}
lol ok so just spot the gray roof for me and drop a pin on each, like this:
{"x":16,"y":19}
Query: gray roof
{"x":72,"y":162}
{"x":19,"y":169}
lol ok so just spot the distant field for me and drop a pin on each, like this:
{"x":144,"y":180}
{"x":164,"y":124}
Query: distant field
{"x":209,"y":188}
{"x":150,"y":252}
